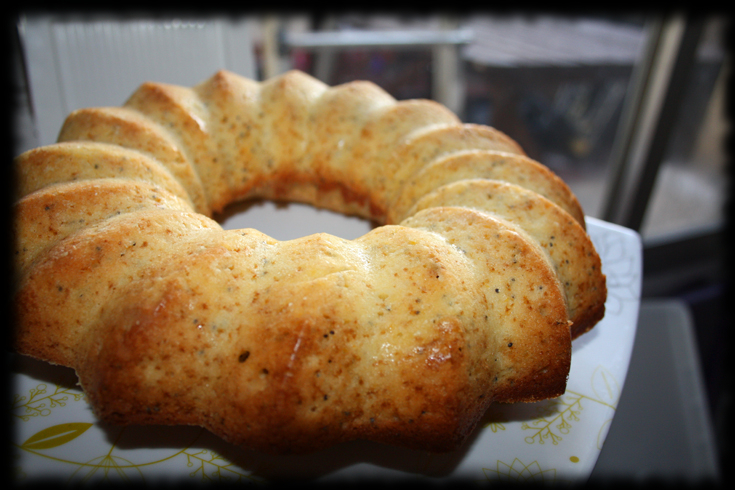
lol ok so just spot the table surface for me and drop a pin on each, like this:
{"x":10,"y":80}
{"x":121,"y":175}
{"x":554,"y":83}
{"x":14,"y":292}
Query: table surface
{"x":662,"y":429}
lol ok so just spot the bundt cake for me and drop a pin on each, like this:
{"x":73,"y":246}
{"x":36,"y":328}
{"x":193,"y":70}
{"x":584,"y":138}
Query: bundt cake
{"x":470,"y":292}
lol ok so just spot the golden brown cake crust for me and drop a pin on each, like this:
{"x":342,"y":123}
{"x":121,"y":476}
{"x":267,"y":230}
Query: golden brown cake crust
{"x":566,"y":243}
{"x":404,"y":336}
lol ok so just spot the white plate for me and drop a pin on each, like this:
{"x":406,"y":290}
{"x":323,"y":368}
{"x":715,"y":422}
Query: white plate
{"x":57,"y":436}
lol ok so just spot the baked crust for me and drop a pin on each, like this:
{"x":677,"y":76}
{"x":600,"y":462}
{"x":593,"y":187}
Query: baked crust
{"x":561,"y":238}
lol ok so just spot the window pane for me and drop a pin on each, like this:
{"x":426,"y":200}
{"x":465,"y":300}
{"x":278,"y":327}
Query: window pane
{"x":690,"y":190}
{"x":556,"y":85}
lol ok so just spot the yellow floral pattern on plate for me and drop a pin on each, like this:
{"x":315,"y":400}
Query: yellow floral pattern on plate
{"x":519,"y":472}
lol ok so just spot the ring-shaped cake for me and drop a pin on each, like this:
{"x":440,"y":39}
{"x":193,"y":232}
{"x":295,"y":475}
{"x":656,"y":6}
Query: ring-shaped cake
{"x":469,"y":292}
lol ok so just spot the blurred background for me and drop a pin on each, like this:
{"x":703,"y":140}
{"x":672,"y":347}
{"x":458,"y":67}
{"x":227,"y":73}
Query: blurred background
{"x":630,"y":110}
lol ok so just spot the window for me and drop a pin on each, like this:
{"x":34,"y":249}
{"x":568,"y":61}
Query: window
{"x":558,"y":85}
{"x":690,"y":190}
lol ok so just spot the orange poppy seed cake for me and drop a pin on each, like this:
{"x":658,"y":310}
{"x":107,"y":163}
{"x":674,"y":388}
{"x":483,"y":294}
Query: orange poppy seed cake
{"x":468,"y":293}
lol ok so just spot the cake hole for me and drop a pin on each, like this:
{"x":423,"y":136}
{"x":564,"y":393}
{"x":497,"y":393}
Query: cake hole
{"x":287,"y":221}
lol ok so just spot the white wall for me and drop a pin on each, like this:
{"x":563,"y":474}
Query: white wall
{"x":75,"y":62}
